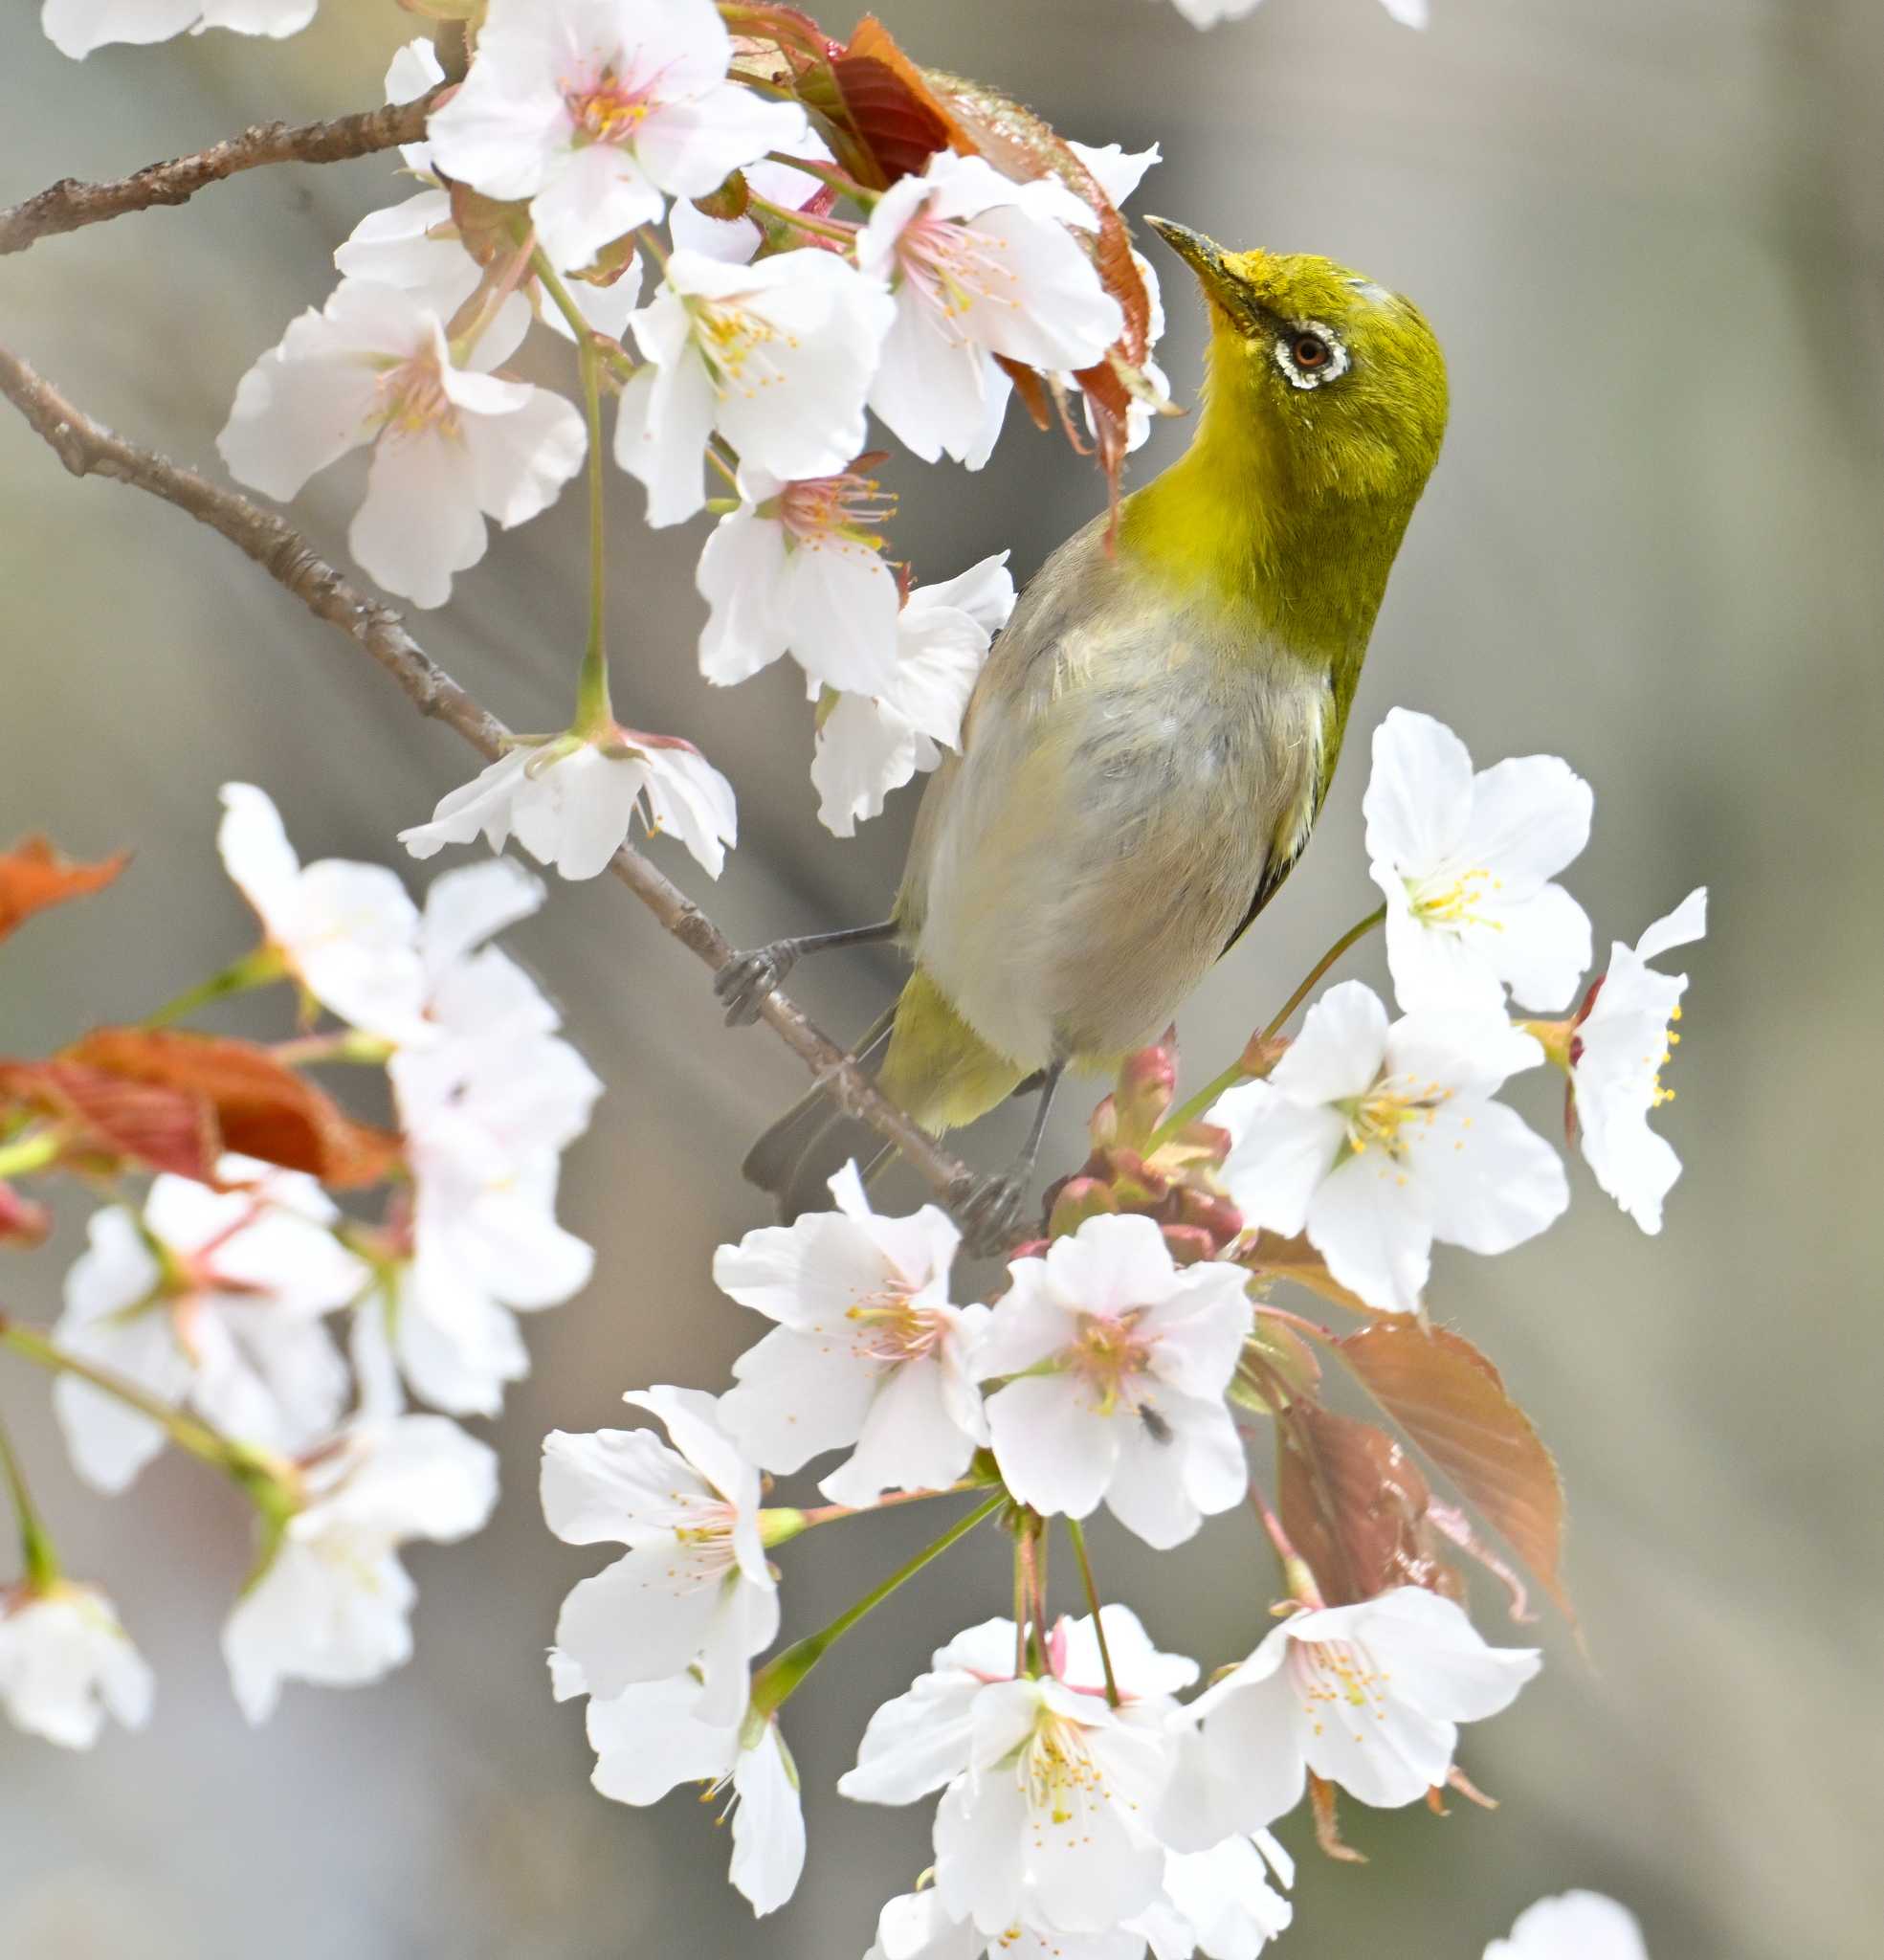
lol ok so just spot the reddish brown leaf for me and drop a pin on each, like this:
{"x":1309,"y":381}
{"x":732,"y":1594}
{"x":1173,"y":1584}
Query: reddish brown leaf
{"x":33,"y":877}
{"x":107,"y":1116}
{"x":1454,"y":1404}
{"x":1030,"y":388}
{"x":889,"y":108}
{"x":261,"y":1106}
{"x":23,"y":1220}
{"x":1353,"y":1502}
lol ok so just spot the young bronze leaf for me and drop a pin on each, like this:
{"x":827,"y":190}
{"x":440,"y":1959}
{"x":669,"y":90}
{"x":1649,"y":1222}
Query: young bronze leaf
{"x":105,"y":1116}
{"x":1452,"y":1403}
{"x":889,"y":104}
{"x":23,"y":1221}
{"x":260,"y":1104}
{"x":1353,"y":1502}
{"x":34,"y":877}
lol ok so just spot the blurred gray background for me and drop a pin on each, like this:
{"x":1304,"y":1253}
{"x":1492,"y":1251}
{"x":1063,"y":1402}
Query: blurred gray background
{"x":1650,"y":239}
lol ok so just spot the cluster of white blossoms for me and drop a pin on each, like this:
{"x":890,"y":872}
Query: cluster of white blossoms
{"x":1378,"y":1137}
{"x":239,"y":1301}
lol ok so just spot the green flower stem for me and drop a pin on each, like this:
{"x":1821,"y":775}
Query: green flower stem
{"x":368,"y":1051}
{"x":781,"y":1523}
{"x":262,"y":968}
{"x":269,"y":1481}
{"x":828,"y":174}
{"x":595,"y":712}
{"x":36,"y":1554}
{"x":803,"y":221}
{"x":1188,"y":1112}
{"x":33,"y":1152}
{"x":781,"y":1676}
{"x":1077,"y":1533}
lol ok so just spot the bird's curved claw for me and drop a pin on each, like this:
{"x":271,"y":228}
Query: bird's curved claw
{"x":991,"y":1214}
{"x":744,"y":981}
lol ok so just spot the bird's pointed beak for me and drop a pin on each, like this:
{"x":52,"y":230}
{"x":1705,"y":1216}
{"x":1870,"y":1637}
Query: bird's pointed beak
{"x":1204,"y":256}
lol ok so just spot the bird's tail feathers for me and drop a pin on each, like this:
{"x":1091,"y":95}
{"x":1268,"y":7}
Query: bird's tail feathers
{"x":797,"y":1156}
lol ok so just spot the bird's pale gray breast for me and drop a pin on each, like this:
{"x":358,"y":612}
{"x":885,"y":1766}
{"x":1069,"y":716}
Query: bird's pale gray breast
{"x":1128,"y":769}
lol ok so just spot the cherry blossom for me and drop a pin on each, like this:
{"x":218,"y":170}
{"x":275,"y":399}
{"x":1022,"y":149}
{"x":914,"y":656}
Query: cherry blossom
{"x":592,"y":109}
{"x":1617,"y":1051}
{"x":776,"y":356}
{"x":1208,"y":13}
{"x":214,"y":1297}
{"x":332,"y":1604}
{"x":1376,"y":1139}
{"x":1368,"y":1696}
{"x":1050,"y":1790}
{"x":75,"y":27}
{"x":979,"y":265}
{"x":346,"y":931}
{"x":1466,"y":863}
{"x":651,"y":1736}
{"x":485,"y":1111}
{"x":869,"y":745}
{"x":414,"y":71}
{"x":694,"y":1586}
{"x":868,"y":1349}
{"x":1119,"y":1361}
{"x":572,"y":801}
{"x":1575,"y":1926}
{"x":452,"y":444}
{"x":66,"y":1663}
{"x":800,"y":566}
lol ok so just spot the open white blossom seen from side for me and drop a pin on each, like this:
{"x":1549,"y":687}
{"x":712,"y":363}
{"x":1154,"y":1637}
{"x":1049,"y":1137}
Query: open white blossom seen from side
{"x":1379,"y":1139}
{"x":1118,"y":1361}
{"x":452,"y":444}
{"x":800,"y":567}
{"x":209,"y":1297}
{"x":1048,"y":1791}
{"x":1574,"y":1925}
{"x":868,"y":1349}
{"x":652,"y":1736}
{"x":869,"y":745}
{"x":332,"y":1604}
{"x":776,"y":357}
{"x":572,"y":800}
{"x":344,"y":931}
{"x":1466,"y":863}
{"x":66,"y":1663}
{"x":1618,"y":1047}
{"x":1369,"y":1697}
{"x":75,"y":27}
{"x":979,"y":265}
{"x":593,"y":109}
{"x":693,"y":1588}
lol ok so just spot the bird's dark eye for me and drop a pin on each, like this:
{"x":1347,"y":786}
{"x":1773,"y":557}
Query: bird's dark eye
{"x":1311,"y":351}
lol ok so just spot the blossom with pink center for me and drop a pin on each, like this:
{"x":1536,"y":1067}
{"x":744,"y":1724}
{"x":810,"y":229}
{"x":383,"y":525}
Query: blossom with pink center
{"x":592,"y":109}
{"x":868,"y":1349}
{"x":572,"y":801}
{"x":775,"y":356}
{"x":871,"y":744}
{"x":1368,"y":1695}
{"x":800,"y":565}
{"x":1117,"y":1362}
{"x":979,"y":265}
{"x":694,"y":1589}
{"x":212,"y":1296}
{"x":452,"y":444}
{"x":1050,"y":1790}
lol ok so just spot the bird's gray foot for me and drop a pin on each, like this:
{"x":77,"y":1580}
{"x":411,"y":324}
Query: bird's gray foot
{"x":991,"y":1214}
{"x":744,"y":981}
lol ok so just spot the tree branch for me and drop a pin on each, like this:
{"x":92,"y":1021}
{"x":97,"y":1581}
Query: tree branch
{"x":87,"y":447}
{"x":68,"y":205}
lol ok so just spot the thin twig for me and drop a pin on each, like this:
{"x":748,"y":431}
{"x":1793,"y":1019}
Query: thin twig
{"x":87,"y":447}
{"x":68,"y":205}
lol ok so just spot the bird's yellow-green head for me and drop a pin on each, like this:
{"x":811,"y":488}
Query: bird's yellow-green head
{"x":1324,"y":406}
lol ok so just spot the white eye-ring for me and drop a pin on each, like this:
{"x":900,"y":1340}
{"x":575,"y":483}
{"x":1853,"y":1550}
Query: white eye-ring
{"x":1310,"y":354}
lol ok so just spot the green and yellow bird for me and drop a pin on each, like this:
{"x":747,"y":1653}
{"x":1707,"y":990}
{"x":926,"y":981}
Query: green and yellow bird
{"x":1152,"y":737}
